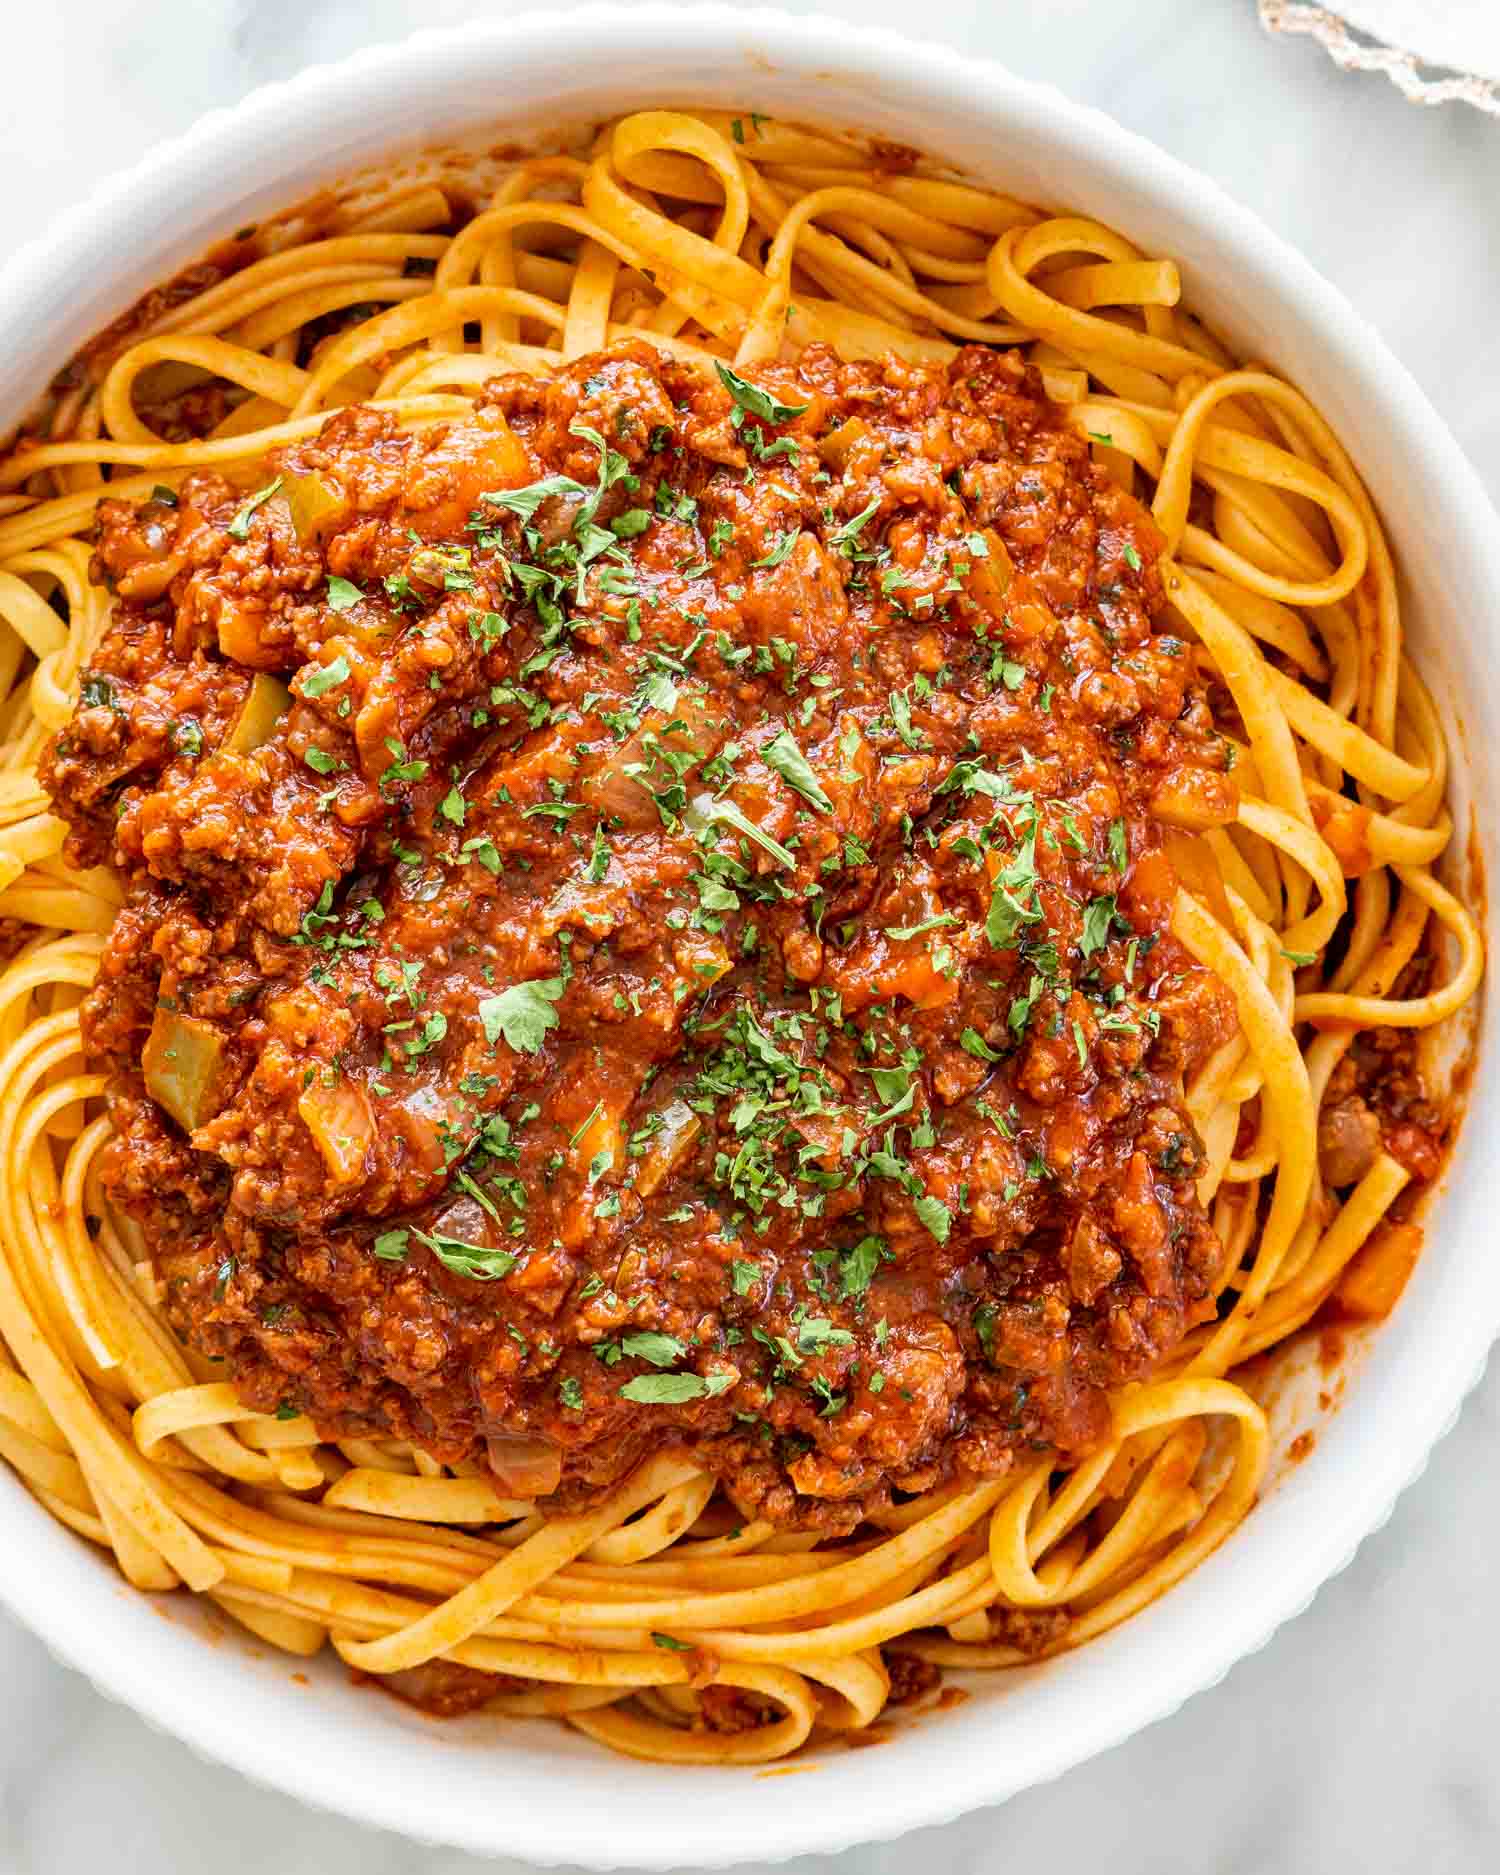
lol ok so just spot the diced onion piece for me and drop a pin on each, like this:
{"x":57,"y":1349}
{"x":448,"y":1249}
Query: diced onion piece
{"x":180,"y":1064}
{"x":432,"y":567}
{"x":627,"y":797}
{"x":680,"y":1126}
{"x":240,"y":628}
{"x":150,"y":578}
{"x":317,"y":506}
{"x":836,"y":446}
{"x":920,"y":981}
{"x":1010,"y":598}
{"x":702,"y":959}
{"x":342,"y":1127}
{"x":266,"y":702}
{"x":461,"y":466}
{"x":989,"y":577}
{"x":602,"y":1133}
{"x":524,"y":1467}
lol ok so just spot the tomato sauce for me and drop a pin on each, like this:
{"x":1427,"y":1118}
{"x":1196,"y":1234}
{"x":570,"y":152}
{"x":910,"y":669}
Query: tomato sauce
{"x":647,"y":923}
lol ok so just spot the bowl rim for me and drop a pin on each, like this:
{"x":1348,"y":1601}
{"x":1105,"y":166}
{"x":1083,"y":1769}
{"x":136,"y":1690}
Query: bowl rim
{"x":36,"y":280}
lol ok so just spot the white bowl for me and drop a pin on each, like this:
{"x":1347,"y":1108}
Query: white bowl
{"x":535,"y":1790}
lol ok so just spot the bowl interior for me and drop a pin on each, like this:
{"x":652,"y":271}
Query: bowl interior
{"x":532,"y":1788}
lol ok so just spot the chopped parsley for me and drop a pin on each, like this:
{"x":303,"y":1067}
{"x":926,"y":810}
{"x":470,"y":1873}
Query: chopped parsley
{"x":239,"y":527}
{"x":522,"y":1014}
{"x":467,"y":1259}
{"x":901,"y":933}
{"x":845,"y":539}
{"x":783,"y":754}
{"x":934,"y":1216}
{"x":858,"y":1265}
{"x":326,"y":678}
{"x":659,"y":1350}
{"x":1014,"y":901}
{"x":343,"y":594}
{"x":674,"y":1389}
{"x":754,"y":401}
{"x":781,"y":550}
{"x":735,"y":816}
{"x":1097,"y":920}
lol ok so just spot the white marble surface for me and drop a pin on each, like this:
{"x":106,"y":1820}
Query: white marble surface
{"x":1360,"y":1738}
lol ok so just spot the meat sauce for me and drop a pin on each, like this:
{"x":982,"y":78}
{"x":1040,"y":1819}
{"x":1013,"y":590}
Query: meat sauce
{"x":647,"y":923}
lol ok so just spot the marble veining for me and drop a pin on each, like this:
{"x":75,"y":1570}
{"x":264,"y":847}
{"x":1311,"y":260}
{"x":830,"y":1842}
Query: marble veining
{"x":1363,"y":1737}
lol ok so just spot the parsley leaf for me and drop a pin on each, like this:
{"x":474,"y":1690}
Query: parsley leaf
{"x":846,"y":538}
{"x":781,"y":550}
{"x":859,"y":1264}
{"x":735,"y":816}
{"x":525,"y":501}
{"x":328,"y":678}
{"x":816,"y":1334}
{"x":901,"y":932}
{"x":239,"y":527}
{"x":467,"y":1259}
{"x":402,"y":769}
{"x":757,"y":402}
{"x":343,"y":594}
{"x":934,"y":1215}
{"x":901,"y":717}
{"x":1014,"y":901}
{"x":482,"y":848}
{"x":782,"y":754}
{"x":1096,"y":923}
{"x":974,"y":778}
{"x":674,"y":1389}
{"x":659,"y":1350}
{"x":522,"y":1014}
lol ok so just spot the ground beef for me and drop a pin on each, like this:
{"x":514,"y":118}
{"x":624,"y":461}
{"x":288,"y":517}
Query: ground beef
{"x":646,"y":923}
